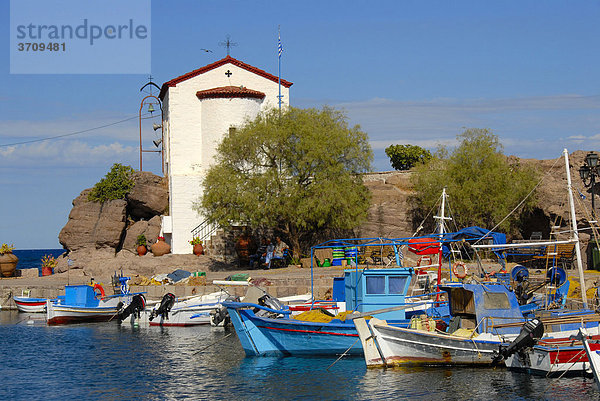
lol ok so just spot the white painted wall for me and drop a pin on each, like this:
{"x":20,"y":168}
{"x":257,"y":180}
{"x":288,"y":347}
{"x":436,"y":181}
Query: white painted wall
{"x":193,"y":128}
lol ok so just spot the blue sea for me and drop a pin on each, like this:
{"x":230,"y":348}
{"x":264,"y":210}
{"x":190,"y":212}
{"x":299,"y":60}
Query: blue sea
{"x":32,"y":258}
{"x":104,"y":361}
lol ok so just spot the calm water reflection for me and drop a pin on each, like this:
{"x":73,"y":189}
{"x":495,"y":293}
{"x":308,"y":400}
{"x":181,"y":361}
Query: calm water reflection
{"x":105,"y":361}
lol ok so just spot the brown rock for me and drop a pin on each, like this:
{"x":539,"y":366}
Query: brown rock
{"x":153,"y":230}
{"x":149,"y":196}
{"x":133,"y":231}
{"x":94,"y":224}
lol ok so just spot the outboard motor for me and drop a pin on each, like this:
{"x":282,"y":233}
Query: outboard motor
{"x":221,"y":315}
{"x":532,"y":331}
{"x":138,"y":304}
{"x":166,"y":304}
{"x":269,"y":302}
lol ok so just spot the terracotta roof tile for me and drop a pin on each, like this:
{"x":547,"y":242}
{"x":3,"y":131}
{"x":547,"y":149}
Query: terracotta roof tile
{"x":226,"y":60}
{"x":229,"y":92}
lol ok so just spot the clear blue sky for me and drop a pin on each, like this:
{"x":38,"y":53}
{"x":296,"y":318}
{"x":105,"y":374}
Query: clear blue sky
{"x":407,"y":71}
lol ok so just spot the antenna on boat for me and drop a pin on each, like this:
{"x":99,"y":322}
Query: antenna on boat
{"x":575,"y":232}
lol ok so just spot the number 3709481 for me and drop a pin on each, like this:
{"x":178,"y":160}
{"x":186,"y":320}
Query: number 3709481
{"x":41,"y":47}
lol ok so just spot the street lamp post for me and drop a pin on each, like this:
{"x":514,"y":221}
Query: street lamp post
{"x":588,"y":173}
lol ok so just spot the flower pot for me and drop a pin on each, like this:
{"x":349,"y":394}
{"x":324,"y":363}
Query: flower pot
{"x":161,"y":248}
{"x":8,"y":264}
{"x":142,"y":250}
{"x":198,"y":249}
{"x":46,"y":271}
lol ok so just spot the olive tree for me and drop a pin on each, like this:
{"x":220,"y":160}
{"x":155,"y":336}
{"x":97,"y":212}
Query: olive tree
{"x":295,"y":171}
{"x":483,"y":185}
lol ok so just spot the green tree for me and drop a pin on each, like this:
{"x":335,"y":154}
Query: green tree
{"x":404,"y":157}
{"x":115,"y":184}
{"x":484,"y":186}
{"x":296,"y":172}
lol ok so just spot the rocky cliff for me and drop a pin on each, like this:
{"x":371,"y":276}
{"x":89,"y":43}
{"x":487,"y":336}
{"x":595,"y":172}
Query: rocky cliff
{"x":105,"y":229}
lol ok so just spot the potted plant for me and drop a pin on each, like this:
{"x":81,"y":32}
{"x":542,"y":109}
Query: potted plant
{"x":160,"y":247}
{"x":198,"y":248}
{"x":49,"y":262}
{"x":141,"y":243}
{"x":8,"y":261}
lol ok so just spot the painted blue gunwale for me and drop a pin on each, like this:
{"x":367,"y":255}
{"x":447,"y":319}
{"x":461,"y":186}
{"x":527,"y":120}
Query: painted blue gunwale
{"x":263,"y":336}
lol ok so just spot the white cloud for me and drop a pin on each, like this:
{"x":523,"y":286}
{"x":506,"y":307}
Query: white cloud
{"x":532,"y":127}
{"x":66,"y":154}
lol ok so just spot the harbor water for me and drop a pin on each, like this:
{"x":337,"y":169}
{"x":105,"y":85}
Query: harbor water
{"x":109,"y":362}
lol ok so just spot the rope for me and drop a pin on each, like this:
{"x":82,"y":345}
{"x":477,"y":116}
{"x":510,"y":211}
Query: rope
{"x":344,"y":354}
{"x":579,"y":354}
{"x":523,"y":201}
{"x":211,"y":344}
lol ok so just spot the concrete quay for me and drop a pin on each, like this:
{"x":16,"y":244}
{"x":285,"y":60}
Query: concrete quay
{"x":278,"y":282}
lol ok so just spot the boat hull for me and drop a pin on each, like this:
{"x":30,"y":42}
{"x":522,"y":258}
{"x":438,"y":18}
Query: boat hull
{"x":263,"y":336}
{"x":57,"y":314}
{"x":192,"y":312}
{"x":30,"y":305}
{"x":554,"y":357}
{"x":593,"y":357}
{"x":397,"y":346}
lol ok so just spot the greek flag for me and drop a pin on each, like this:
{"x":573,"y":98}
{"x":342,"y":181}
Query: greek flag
{"x":279,"y":47}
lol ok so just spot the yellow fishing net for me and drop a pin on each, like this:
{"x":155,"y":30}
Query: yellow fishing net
{"x":315,"y":315}
{"x":320,"y":316}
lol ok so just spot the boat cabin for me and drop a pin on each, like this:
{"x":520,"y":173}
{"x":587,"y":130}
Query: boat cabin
{"x":371,"y":289}
{"x":81,"y":295}
{"x":479,"y":307}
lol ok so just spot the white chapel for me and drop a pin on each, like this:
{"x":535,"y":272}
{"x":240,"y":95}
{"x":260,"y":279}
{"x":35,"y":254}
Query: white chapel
{"x":199,"y":108}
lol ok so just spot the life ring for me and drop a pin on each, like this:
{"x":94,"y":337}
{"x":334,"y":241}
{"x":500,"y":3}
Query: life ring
{"x":100,"y":289}
{"x":460,"y":270}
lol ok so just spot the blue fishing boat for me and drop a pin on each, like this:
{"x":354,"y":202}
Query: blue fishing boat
{"x":266,"y":329}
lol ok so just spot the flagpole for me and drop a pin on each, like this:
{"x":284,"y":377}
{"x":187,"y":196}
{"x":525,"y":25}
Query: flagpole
{"x":279,"y":49}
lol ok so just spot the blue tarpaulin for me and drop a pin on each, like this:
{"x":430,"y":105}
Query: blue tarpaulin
{"x":472,"y":234}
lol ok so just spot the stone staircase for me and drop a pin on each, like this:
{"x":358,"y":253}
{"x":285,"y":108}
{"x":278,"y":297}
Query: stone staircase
{"x":221,"y":245}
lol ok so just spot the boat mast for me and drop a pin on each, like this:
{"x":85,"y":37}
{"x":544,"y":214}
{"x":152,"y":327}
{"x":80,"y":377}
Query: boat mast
{"x":441,"y":230}
{"x":575,"y":232}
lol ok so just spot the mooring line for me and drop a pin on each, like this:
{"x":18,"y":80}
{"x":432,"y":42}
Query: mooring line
{"x":345,"y":352}
{"x":211,"y":344}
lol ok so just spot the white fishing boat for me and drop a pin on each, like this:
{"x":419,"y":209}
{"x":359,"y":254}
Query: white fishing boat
{"x":592,"y":349}
{"x":170,"y":311}
{"x":85,"y":303}
{"x":555,"y":357}
{"x":468,"y":341}
{"x":27,"y":304}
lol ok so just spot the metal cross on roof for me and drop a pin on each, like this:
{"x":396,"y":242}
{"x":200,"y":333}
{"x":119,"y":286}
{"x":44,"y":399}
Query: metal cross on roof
{"x":228,"y":43}
{"x":228,"y":73}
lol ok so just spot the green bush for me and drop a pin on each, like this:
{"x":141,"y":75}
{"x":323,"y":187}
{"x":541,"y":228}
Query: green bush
{"x":404,"y":157}
{"x":115,"y":184}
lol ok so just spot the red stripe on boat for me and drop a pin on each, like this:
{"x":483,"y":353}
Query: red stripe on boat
{"x":30,"y":303}
{"x":309,"y":331}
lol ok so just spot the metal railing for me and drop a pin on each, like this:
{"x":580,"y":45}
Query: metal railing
{"x":204,"y":230}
